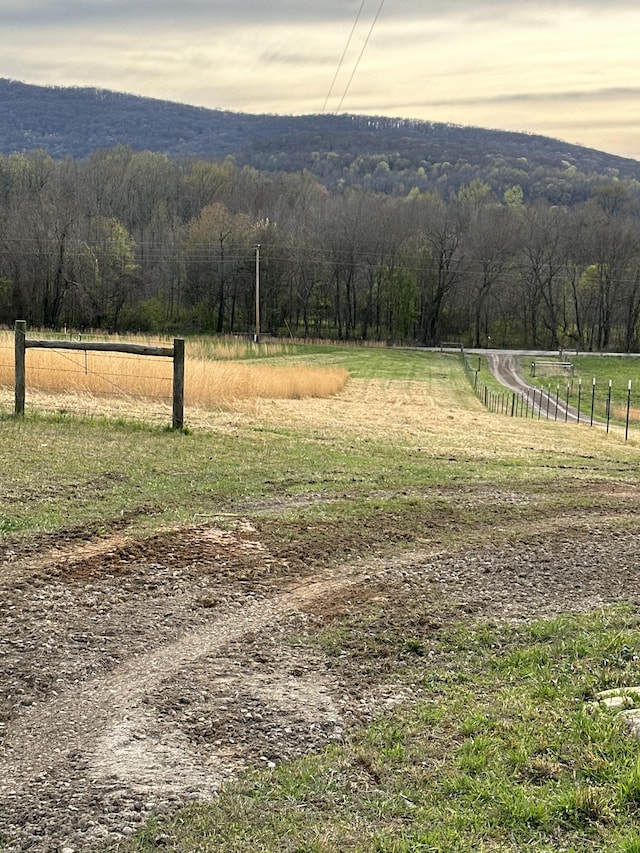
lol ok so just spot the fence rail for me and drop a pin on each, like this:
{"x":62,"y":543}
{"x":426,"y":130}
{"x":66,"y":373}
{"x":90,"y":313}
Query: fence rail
{"x":538,"y":367}
{"x":455,"y":345}
{"x":176,"y":352}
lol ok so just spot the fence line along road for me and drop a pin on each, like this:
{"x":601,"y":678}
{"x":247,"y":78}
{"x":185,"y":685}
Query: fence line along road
{"x":506,"y":369}
{"x":522,"y":399}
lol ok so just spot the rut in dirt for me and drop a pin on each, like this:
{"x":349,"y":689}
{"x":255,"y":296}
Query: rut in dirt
{"x":84,"y":758}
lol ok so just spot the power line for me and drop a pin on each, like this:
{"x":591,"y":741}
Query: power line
{"x":355,"y":68}
{"x":344,"y":53}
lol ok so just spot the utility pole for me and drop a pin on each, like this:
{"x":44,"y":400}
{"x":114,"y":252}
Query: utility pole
{"x":256,"y":337}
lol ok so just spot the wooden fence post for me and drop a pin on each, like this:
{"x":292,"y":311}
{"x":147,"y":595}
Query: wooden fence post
{"x":19,"y":367}
{"x":178,"y":383}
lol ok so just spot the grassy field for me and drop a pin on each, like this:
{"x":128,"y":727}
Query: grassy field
{"x":406,"y":421}
{"x":624,"y":375}
{"x":503,"y":753}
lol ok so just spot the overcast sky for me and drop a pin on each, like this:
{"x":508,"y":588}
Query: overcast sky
{"x":570,"y":70}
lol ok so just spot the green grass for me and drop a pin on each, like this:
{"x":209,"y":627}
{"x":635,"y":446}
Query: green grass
{"x":500,"y":753}
{"x":70,"y":472}
{"x":503,"y":753}
{"x":620,"y":369}
{"x":617,"y":370}
{"x":367,"y":362}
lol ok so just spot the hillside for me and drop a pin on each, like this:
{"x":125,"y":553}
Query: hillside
{"x":382,"y":154}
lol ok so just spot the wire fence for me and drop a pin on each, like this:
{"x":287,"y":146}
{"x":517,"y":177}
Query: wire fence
{"x":116,"y":374}
{"x":571,"y":401}
{"x":97,"y":368}
{"x":120,"y":375}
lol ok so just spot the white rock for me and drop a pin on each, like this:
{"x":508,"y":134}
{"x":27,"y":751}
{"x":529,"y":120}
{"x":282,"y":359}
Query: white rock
{"x":631,"y":719}
{"x":632,"y":692}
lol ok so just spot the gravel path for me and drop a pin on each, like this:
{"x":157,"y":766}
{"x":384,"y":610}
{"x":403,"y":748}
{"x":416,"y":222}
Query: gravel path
{"x":505,"y":367}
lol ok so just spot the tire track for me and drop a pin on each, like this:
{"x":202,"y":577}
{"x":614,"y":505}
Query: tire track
{"x":99,"y":752}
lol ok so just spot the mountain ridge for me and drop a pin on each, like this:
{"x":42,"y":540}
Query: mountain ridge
{"x":382,"y":153}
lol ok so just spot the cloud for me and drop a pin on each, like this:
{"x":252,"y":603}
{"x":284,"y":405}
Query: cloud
{"x":628,"y":93}
{"x":225,"y":12}
{"x":245,"y":12}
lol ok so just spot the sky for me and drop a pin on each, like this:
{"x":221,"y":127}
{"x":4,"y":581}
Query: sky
{"x":570,"y":70}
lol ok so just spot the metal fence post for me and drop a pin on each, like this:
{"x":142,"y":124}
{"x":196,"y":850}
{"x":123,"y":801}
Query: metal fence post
{"x":579,"y":398}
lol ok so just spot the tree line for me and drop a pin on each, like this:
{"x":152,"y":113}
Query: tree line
{"x":130,"y":241}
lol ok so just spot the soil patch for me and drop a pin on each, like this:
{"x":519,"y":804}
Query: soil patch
{"x":139,"y":674}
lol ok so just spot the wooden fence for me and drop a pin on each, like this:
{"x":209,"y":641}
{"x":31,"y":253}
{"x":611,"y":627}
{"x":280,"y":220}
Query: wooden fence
{"x":176,"y":352}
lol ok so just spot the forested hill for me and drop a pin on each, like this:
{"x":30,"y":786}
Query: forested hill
{"x":381,"y":154}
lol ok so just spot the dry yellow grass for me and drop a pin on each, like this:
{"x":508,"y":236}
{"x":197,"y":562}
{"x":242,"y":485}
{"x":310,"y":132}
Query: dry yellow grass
{"x":208,"y":383}
{"x":231,"y":348}
{"x":431,"y":418}
{"x":620,"y":413}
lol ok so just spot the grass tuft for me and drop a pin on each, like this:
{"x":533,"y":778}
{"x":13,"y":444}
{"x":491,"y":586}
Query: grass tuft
{"x":630,"y":786}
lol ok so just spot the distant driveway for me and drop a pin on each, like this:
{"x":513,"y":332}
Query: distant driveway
{"x":505,"y":367}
